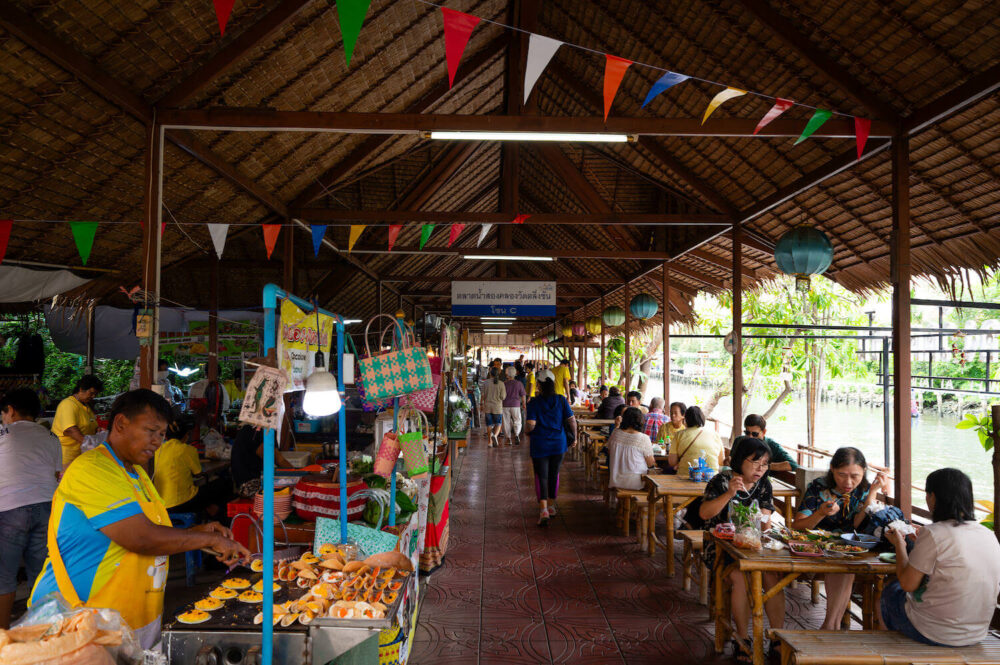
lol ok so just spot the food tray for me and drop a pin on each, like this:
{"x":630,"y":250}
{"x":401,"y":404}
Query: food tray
{"x":800,"y":548}
{"x":235,"y":614}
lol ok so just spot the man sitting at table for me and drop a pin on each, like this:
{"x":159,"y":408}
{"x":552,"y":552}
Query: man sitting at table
{"x":608,"y":405}
{"x":754,"y":425}
{"x":655,"y":419}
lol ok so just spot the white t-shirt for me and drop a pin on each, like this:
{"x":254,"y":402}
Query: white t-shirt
{"x":30,"y":457}
{"x":627,"y":454}
{"x":962,"y":564}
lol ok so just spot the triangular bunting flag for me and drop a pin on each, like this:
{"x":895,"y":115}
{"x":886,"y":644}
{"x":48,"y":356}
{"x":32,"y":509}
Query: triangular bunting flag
{"x":5,"y":226}
{"x":83,"y":235}
{"x":667,"y":81}
{"x":318,"y":231}
{"x":223,"y":8}
{"x":352,"y":16}
{"x":540,"y":51}
{"x":861,"y":128}
{"x":425,"y":234}
{"x":356,"y":231}
{"x":614,"y":72}
{"x":163,"y":228}
{"x":815,"y":122}
{"x":519,"y":219}
{"x":456,"y":230}
{"x":394,"y":230}
{"x":482,"y":233}
{"x":218,"y":233}
{"x":719,"y":99}
{"x":271,"y":232}
{"x":780,"y":106}
{"x":458,"y":28}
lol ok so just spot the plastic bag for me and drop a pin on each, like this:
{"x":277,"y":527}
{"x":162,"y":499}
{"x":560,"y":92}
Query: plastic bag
{"x":746,"y":519}
{"x":91,"y":441}
{"x":53,"y":633}
{"x":215,"y":446}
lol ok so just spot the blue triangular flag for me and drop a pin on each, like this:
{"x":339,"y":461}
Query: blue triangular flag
{"x":318,"y":231}
{"x":667,"y":81}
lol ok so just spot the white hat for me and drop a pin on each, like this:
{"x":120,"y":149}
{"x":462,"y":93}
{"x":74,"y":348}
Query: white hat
{"x":544,"y":375}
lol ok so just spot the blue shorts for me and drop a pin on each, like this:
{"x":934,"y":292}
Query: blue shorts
{"x":493,"y":419}
{"x":894,"y":615}
{"x":23,"y":535}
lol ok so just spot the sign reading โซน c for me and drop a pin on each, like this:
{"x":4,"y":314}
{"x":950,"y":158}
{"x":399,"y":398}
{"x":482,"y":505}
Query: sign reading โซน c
{"x":503,"y":298}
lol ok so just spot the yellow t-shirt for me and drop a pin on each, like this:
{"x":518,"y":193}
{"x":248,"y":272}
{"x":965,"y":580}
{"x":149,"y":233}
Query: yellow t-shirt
{"x":561,"y":373}
{"x":668,"y":430}
{"x":174,"y":466}
{"x":695,"y":442}
{"x":71,"y":412}
{"x":531,"y":385}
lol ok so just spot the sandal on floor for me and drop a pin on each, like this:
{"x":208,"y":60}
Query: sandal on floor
{"x":543,"y":518}
{"x":741,"y":656}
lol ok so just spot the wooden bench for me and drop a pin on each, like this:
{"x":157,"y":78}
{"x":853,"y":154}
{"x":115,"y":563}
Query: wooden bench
{"x":604,"y":480}
{"x":691,"y":563}
{"x":627,"y":500}
{"x":875,"y":647}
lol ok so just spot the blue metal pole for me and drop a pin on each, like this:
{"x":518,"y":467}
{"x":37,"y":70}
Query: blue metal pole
{"x":342,"y":431}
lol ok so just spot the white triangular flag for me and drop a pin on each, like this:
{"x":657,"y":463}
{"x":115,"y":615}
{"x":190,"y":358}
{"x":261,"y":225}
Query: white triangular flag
{"x":482,"y":234}
{"x":540,"y":51}
{"x":218,"y":233}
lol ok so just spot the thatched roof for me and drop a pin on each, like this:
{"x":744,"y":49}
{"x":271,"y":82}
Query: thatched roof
{"x":79,"y":79}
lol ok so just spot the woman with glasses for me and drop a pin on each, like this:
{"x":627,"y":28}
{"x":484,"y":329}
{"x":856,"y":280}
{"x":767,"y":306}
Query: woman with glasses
{"x":745,"y":483}
{"x":839,"y":501}
{"x":754,"y":425}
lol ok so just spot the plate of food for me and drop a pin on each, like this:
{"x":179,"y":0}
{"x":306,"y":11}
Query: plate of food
{"x":844,"y":548}
{"x":799,"y":548}
{"x":862,"y":540}
{"x":820,"y":534}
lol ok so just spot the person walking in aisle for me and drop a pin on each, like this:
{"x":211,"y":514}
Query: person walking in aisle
{"x":512,"y":404}
{"x":550,"y":421}
{"x":494,"y":393}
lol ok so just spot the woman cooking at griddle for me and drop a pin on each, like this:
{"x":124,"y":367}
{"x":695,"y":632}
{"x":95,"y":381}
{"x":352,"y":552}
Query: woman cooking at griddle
{"x":839,"y":502}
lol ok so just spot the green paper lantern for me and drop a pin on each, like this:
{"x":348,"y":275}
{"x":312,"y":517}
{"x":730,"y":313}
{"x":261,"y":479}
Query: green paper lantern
{"x":614,"y":316}
{"x":593,"y":325}
{"x":643,"y":306}
{"x":802,"y":252}
{"x":617,"y":345}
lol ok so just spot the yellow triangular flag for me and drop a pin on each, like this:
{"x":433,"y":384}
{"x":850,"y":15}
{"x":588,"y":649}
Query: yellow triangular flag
{"x":356,"y":231}
{"x":720,"y":98}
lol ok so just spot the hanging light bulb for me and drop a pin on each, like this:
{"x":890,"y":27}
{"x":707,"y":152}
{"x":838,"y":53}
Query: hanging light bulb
{"x":322,"y":397}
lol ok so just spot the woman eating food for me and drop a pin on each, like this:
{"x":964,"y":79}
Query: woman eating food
{"x":745,"y":482}
{"x":839,"y":501}
{"x":947,"y":586}
{"x":676,"y":424}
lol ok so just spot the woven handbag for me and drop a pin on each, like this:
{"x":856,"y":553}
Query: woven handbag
{"x":426,"y":400}
{"x":388,"y":453}
{"x":412,"y":443}
{"x":401,"y":371}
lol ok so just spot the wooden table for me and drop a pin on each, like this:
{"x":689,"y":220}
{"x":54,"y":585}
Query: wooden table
{"x":210,"y":470}
{"x":678,"y":492}
{"x":754,"y":563}
{"x":586,"y":429}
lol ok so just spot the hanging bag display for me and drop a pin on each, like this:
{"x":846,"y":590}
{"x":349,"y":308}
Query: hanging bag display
{"x":388,"y":453}
{"x":400,"y":371}
{"x":413,"y":443}
{"x":426,"y":400}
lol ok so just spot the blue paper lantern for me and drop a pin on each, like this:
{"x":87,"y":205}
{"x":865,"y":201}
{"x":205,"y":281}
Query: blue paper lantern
{"x":643,"y":306}
{"x":803,"y":251}
{"x":613,"y":316}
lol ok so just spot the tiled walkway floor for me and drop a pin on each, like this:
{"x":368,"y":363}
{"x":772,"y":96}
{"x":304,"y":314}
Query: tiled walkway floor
{"x":574,"y":592}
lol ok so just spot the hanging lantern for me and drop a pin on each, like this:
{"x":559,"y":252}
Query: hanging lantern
{"x":545,"y":340}
{"x":579,"y":330}
{"x":567,"y":330}
{"x":803,"y":251}
{"x":593,"y":325}
{"x":617,"y":345}
{"x":614,"y":316}
{"x":643,"y":306}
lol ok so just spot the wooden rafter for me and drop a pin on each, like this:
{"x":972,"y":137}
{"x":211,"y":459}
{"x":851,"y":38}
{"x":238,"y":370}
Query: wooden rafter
{"x":408,"y":215}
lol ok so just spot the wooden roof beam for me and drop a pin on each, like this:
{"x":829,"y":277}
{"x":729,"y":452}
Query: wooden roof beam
{"x":455,"y":278}
{"x":697,"y":276}
{"x":427,"y":185}
{"x":598,"y":254}
{"x":789,"y":34}
{"x":402,"y":216}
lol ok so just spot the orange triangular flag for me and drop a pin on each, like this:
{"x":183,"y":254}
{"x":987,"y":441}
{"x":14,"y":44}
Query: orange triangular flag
{"x":519,"y":219}
{"x":356,"y":231}
{"x":614,"y":72}
{"x":271,"y":232}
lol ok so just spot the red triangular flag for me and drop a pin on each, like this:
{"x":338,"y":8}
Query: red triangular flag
{"x":271,"y":232}
{"x":394,"y":230}
{"x":456,"y":230}
{"x":614,"y":71}
{"x":5,"y":226}
{"x":861,"y":128}
{"x":458,"y":28}
{"x":780,"y":106}
{"x":223,"y":8}
{"x":519,"y":219}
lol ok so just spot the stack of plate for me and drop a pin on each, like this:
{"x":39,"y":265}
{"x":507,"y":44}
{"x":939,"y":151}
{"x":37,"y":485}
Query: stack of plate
{"x":282,"y":506}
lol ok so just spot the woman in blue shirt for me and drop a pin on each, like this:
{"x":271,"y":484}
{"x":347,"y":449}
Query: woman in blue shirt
{"x":550,"y":421}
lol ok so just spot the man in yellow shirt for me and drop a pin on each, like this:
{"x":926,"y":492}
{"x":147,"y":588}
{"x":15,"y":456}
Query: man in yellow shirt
{"x":109,"y":535}
{"x":74,"y":418}
{"x":561,"y":374}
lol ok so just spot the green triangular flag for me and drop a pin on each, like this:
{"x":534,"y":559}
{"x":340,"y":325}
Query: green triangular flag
{"x":425,"y":234}
{"x":352,"y":16}
{"x":815,"y":122}
{"x":83,"y":234}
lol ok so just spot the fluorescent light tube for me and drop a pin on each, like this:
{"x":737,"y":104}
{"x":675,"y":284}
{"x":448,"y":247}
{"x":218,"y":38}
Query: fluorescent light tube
{"x":565,"y":137}
{"x":481,"y":257}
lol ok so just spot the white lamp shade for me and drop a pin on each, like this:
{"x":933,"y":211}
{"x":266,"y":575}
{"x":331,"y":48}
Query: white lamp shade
{"x":322,"y":397}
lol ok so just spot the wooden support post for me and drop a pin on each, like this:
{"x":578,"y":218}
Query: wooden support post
{"x":213,"y":319}
{"x":603,"y":375}
{"x":151,"y":238}
{"x":900,"y":276}
{"x":666,"y":338}
{"x":737,"y":329}
{"x":627,"y":368}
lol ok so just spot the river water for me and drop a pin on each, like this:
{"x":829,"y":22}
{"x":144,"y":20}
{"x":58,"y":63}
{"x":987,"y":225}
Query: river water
{"x":936,"y":442}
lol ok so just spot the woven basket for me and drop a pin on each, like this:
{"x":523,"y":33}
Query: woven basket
{"x":388,"y":654}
